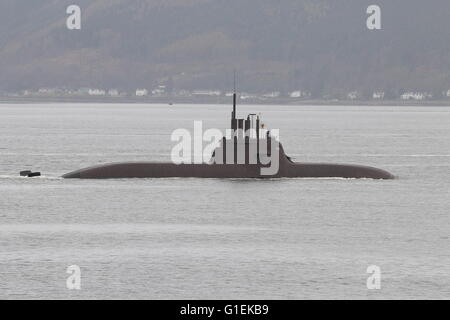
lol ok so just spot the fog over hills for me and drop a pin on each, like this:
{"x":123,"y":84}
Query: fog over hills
{"x":318,"y":45}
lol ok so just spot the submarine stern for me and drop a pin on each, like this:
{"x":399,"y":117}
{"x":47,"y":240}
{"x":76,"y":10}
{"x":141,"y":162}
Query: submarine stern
{"x":346,"y":171}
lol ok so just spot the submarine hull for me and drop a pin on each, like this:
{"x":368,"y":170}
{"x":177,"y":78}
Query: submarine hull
{"x":285,"y":168}
{"x":169,"y":170}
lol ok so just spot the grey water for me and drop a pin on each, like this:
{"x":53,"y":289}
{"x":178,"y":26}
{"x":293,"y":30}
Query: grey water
{"x":224,"y":239}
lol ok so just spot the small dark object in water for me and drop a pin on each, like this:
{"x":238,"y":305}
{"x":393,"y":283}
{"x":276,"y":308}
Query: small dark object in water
{"x":34,"y":174}
{"x":25,"y":173}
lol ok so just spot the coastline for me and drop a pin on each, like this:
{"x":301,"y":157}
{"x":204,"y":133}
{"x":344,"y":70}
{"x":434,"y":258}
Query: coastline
{"x":221,"y":100}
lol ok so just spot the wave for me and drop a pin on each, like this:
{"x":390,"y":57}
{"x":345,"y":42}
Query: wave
{"x":126,"y":228}
{"x":17,"y":177}
{"x":368,"y":155}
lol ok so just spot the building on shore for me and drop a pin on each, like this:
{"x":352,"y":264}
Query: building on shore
{"x":141,"y":92}
{"x":97,"y":92}
{"x":418,"y":96}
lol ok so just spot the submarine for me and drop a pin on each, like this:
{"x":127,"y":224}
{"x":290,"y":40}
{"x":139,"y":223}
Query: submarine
{"x":249,"y":152}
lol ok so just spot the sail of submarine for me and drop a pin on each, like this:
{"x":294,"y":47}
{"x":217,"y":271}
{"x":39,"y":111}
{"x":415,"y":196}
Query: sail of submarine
{"x":227,"y":162}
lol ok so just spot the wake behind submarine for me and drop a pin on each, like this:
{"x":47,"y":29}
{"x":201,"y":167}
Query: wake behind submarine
{"x":242,"y":155}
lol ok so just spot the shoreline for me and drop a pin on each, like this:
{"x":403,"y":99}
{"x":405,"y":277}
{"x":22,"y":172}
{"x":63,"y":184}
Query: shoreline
{"x":222,"y":100}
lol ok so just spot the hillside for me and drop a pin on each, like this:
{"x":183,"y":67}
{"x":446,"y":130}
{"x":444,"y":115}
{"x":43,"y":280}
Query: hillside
{"x":321,"y":46}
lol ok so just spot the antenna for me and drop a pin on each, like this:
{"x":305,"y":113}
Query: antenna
{"x":233,"y":115}
{"x":234,"y":81}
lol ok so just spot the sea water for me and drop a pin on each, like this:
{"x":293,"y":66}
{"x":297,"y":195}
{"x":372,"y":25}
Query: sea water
{"x":219,"y":238}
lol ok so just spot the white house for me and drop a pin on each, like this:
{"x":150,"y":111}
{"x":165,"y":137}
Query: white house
{"x":209,"y":93}
{"x":141,"y":92}
{"x":96,"y":92}
{"x":274,"y":94}
{"x":48,"y":91}
{"x":353,"y":95}
{"x":378,"y":95}
{"x":159,"y":91}
{"x":296,"y":94}
{"x":248,"y":96}
{"x":299,"y":94}
{"x":415,"y":96}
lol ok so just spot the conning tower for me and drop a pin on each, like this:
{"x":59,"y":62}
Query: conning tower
{"x":243,"y":146}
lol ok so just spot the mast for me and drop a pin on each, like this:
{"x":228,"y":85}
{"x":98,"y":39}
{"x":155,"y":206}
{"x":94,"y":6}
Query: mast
{"x":233,"y":114}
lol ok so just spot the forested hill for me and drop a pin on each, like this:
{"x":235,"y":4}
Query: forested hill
{"x":322,"y":46}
